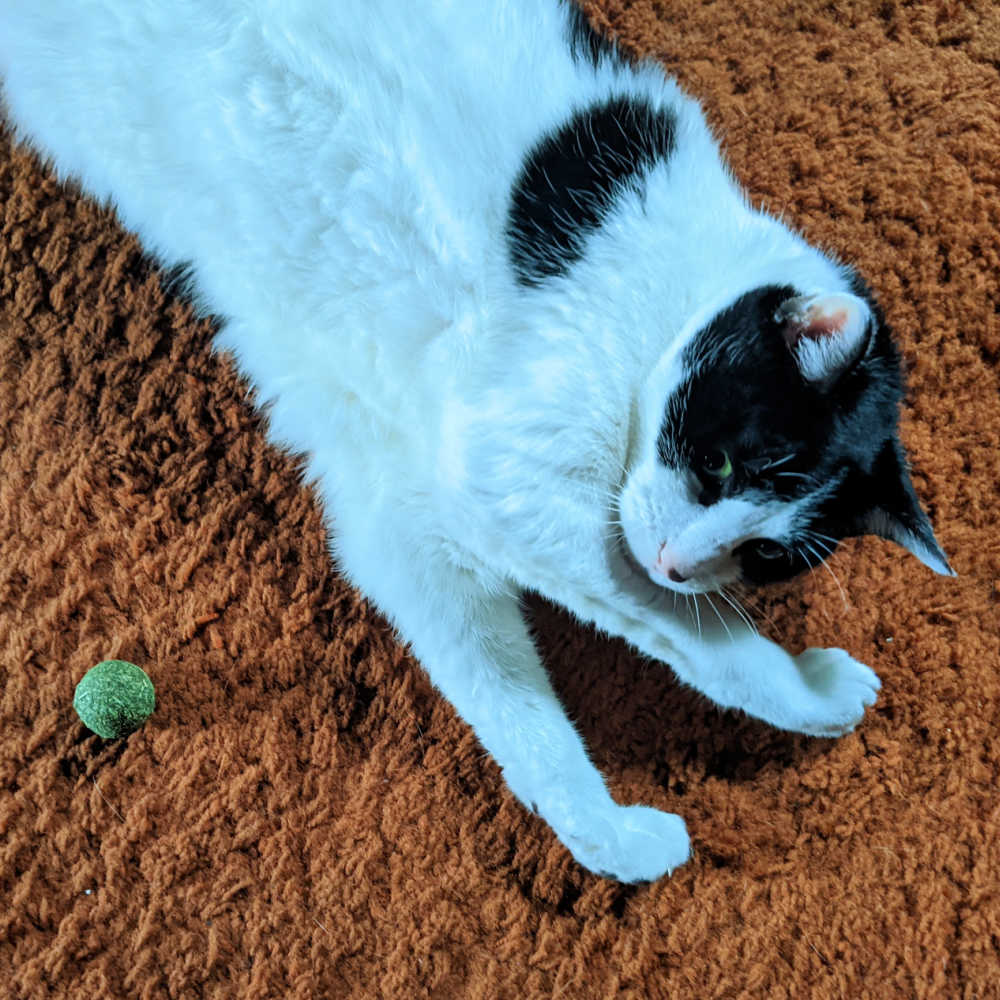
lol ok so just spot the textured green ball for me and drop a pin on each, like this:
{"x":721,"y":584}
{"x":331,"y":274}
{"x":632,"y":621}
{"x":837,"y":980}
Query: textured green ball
{"x":114,"y":698}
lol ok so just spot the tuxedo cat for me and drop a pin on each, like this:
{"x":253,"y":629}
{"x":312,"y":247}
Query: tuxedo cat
{"x":497,"y":281}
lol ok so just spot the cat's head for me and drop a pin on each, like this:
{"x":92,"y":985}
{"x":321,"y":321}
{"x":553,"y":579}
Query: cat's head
{"x":765,"y":439}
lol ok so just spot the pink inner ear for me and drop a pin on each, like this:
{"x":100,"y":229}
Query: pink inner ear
{"x":822,"y":324}
{"x":825,"y":333}
{"x":817,"y":325}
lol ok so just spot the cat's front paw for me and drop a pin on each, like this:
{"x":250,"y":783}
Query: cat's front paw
{"x":630,"y":843}
{"x":839,"y":691}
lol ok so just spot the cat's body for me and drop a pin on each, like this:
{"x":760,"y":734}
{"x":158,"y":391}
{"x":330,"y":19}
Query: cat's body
{"x":470,"y":262}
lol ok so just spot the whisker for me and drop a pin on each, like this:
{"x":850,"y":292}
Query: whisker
{"x":718,"y":614}
{"x":823,"y":563}
{"x":819,"y":535}
{"x":780,"y":461}
{"x":824,"y":543}
{"x":693,"y":614}
{"x":733,"y":605}
{"x":819,"y":549}
{"x":744,"y":593}
{"x":741,"y":611}
{"x":798,"y":475}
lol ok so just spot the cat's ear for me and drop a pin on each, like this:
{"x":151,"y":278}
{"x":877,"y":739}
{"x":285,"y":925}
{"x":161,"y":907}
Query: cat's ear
{"x":826,"y":334}
{"x":897,"y":514}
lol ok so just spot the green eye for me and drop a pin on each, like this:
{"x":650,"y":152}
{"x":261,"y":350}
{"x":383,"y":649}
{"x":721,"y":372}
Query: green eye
{"x":717,"y":463}
{"x":768,"y":549}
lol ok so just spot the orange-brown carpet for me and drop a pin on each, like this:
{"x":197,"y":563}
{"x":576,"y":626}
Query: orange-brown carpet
{"x":303,"y":817}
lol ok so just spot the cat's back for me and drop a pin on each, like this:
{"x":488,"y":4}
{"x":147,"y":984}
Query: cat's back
{"x":227,"y":126}
{"x":336,"y":171}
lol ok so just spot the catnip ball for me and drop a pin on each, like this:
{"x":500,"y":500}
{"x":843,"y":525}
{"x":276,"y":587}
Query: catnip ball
{"x":114,"y":698}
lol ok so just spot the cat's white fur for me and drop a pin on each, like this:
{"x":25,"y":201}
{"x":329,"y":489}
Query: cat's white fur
{"x":338,"y":173}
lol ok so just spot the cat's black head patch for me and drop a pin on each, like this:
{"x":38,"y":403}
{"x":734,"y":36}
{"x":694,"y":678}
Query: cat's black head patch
{"x":572,"y":177}
{"x":829,"y":445}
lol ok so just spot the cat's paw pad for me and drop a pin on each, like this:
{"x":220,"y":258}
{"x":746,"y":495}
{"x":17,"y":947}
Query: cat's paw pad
{"x":631,"y":844}
{"x":840,"y":688}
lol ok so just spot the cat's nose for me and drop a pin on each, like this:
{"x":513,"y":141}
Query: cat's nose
{"x":666,"y":565}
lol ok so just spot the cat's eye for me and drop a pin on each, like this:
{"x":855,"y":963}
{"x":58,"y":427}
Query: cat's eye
{"x":767,"y":549}
{"x":717,"y":463}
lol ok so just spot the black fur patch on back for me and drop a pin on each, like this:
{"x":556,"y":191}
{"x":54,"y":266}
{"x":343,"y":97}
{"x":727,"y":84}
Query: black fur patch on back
{"x":586,"y":44}
{"x":571,"y":178}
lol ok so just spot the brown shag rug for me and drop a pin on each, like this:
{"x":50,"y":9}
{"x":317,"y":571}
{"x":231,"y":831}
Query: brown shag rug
{"x":304,"y":818}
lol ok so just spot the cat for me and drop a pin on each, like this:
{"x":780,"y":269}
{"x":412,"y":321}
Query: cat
{"x":495,"y":278}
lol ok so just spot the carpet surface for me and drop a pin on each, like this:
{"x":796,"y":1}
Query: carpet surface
{"x":304,"y":817}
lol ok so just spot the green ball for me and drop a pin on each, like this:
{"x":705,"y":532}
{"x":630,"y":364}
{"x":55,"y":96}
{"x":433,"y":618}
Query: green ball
{"x":114,"y":698}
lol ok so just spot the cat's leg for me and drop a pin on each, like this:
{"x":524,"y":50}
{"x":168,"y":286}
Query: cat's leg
{"x":822,"y":692}
{"x":475,"y":645}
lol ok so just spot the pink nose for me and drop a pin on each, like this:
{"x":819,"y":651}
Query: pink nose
{"x":666,"y":565}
